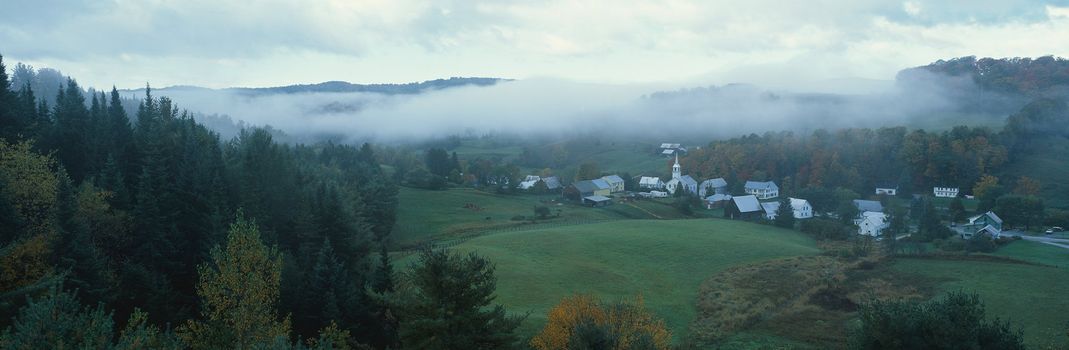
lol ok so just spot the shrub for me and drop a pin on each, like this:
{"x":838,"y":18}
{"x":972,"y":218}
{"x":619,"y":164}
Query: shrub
{"x":825,"y":229}
{"x":954,"y":322}
{"x":980,"y":243}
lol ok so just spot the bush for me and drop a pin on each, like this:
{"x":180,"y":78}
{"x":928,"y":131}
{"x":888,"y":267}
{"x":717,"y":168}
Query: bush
{"x":952,"y":244}
{"x":980,"y":243}
{"x":519,"y":218}
{"x":826,"y":229}
{"x":954,"y":322}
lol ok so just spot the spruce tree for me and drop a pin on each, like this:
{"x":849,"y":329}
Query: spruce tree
{"x":785,"y":214}
{"x":448,"y":304}
{"x":10,"y":123}
{"x":70,"y":134}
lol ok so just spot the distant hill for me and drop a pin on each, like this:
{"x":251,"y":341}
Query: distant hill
{"x":342,"y":86}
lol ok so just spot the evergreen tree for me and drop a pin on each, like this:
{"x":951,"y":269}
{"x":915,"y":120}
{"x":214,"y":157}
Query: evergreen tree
{"x":785,"y":215}
{"x":326,"y":291}
{"x":383,"y":277}
{"x":10,"y":122}
{"x":448,"y":304}
{"x":957,"y":210}
{"x":75,"y":250}
{"x":69,"y":136}
{"x":57,"y":320}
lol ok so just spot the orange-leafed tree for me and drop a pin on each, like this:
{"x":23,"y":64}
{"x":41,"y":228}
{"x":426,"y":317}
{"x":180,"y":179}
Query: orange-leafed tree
{"x":583,"y":319}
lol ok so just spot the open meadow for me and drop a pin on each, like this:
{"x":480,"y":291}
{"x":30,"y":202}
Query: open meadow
{"x":664,"y":261}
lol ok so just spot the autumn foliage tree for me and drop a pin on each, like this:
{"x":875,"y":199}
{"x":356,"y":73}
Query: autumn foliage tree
{"x":583,"y":321}
{"x":239,"y":290}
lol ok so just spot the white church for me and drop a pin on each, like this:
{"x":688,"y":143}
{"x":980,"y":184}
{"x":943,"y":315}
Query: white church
{"x":679,"y":180}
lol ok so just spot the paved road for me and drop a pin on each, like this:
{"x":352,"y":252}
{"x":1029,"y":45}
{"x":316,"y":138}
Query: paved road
{"x":1058,"y":242}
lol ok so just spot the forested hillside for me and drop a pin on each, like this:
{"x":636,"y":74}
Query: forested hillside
{"x":119,"y":212}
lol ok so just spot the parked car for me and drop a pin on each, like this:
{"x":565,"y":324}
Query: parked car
{"x":1049,"y":231}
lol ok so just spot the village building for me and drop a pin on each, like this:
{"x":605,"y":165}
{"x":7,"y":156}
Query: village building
{"x":762,"y":189}
{"x":867,"y":205}
{"x":801,"y":208}
{"x":672,"y":149}
{"x":945,"y":192}
{"x":531,"y":181}
{"x":987,"y":223}
{"x":887,"y":190}
{"x":712,"y":186}
{"x":680,"y":181}
{"x":716,"y":201}
{"x":616,"y":183}
{"x":651,"y":183}
{"x":744,"y":207}
{"x":597,"y":201}
{"x":586,"y":188}
{"x":872,"y":223}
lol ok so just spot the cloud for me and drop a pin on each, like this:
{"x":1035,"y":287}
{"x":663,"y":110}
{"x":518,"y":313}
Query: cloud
{"x":540,"y":107}
{"x":277,"y":42}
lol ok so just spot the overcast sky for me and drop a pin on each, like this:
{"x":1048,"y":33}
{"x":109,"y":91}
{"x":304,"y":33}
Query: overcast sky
{"x":217,"y":43}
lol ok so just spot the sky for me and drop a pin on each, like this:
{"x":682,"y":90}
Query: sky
{"x":216,"y":43}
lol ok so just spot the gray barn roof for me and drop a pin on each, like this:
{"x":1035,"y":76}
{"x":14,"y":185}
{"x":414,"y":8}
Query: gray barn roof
{"x":715,"y":183}
{"x":602,"y":184}
{"x":585,"y":186}
{"x":597,"y":198}
{"x":686,"y":179}
{"x":552,"y":182}
{"x":747,"y":204}
{"x":761,"y":185}
{"x":612,"y":178}
{"x":864,"y":205}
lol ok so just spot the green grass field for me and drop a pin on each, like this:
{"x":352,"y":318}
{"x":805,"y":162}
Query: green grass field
{"x":1032,"y":297}
{"x":663,"y":260}
{"x":1036,"y":252}
{"x":424,"y":214}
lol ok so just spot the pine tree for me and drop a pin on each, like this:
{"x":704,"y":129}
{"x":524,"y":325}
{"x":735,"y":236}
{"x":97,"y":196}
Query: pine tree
{"x":326,"y":292}
{"x":75,"y":250}
{"x":70,"y":134}
{"x":57,"y":320}
{"x":448,"y":304}
{"x":10,"y":123}
{"x":239,"y":289}
{"x":383,"y":278}
{"x":785,"y":214}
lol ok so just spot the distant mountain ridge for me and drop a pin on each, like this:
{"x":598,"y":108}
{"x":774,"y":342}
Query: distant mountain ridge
{"x":343,"y":86}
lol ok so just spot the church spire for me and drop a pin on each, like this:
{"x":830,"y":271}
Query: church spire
{"x":675,"y":169}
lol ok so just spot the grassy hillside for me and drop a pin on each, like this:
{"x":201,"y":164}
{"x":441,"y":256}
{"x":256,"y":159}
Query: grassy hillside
{"x":1036,"y":252}
{"x":664,"y":261}
{"x":1030,"y":296}
{"x":425,"y":214}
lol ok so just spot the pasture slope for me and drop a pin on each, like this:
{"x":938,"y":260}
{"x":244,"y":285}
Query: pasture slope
{"x":1031,"y":296}
{"x":664,"y":261}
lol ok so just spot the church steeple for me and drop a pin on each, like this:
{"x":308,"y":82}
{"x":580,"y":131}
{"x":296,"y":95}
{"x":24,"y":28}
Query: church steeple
{"x":675,"y":169}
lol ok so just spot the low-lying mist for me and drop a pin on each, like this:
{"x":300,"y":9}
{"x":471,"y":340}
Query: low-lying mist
{"x":546,"y":107}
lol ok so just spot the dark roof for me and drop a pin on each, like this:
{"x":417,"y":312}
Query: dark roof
{"x":715,"y":183}
{"x":585,"y":186}
{"x":601,"y":183}
{"x":552,"y":182}
{"x":864,"y":205}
